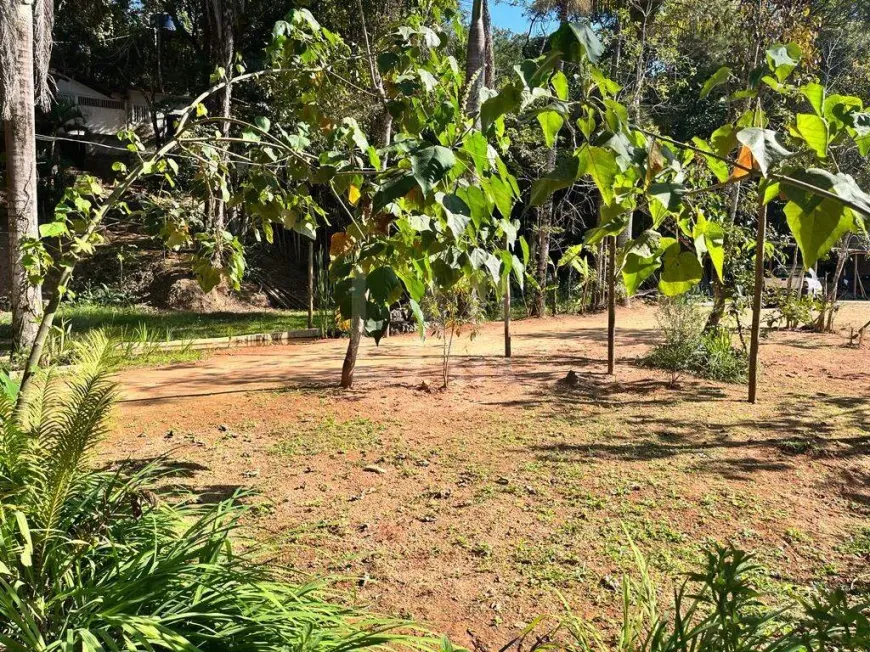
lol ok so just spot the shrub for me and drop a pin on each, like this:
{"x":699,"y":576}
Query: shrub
{"x":451,"y":312}
{"x":792,"y":311}
{"x":718,"y":609}
{"x":91,"y":560}
{"x":688,"y":348}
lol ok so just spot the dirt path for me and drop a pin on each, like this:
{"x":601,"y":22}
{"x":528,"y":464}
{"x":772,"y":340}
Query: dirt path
{"x":468,"y":509}
{"x":401,"y":360}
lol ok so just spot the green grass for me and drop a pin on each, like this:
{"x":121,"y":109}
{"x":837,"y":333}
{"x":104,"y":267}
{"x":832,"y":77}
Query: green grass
{"x":331,"y":435}
{"x":131,"y":323}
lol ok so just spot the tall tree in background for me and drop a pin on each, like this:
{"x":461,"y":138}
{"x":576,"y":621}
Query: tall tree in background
{"x":221,"y":23}
{"x":479,"y":60}
{"x":25,"y":52}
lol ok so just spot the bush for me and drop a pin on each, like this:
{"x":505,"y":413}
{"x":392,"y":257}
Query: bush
{"x":718,"y":609}
{"x":792,"y":311}
{"x":92,"y":560}
{"x":688,"y":348}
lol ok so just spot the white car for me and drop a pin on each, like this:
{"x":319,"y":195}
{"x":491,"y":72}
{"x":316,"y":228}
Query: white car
{"x":809,"y":285}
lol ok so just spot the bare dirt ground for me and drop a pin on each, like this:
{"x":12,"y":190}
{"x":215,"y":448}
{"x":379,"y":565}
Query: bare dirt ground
{"x":469,"y":509}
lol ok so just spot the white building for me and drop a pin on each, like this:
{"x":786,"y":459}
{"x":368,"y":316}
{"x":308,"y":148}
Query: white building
{"x":106,"y":115}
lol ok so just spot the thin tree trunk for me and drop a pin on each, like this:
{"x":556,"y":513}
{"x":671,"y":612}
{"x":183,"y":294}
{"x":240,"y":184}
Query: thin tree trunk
{"x":356,"y":335}
{"x":756,"y":300}
{"x":826,"y":319}
{"x":311,"y":284}
{"x":545,"y":221}
{"x":357,"y":329}
{"x":611,"y":306}
{"x":223,"y":50}
{"x":26,"y":298}
{"x":506,"y":307}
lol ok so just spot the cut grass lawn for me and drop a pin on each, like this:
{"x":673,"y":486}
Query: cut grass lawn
{"x":135,"y":324}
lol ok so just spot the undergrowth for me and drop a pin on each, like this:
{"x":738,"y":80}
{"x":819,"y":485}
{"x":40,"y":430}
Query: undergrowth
{"x":690,"y":349}
{"x":97,"y":560}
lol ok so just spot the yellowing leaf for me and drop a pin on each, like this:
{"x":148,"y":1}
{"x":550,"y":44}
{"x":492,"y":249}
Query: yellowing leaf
{"x":353,"y":194}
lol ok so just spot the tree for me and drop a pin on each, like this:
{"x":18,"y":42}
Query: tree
{"x":25,"y":51}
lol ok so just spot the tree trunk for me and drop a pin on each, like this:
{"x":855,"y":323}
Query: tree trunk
{"x":311,"y":284}
{"x":506,"y":307}
{"x":611,"y":306}
{"x":20,"y":131}
{"x":475,"y":61}
{"x":826,"y":318}
{"x":756,"y":299}
{"x":545,"y":221}
{"x":223,"y":50}
{"x":357,"y":328}
{"x":356,"y":335}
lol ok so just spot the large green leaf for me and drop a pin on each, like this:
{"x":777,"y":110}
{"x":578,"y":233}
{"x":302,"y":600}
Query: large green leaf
{"x":817,"y":225}
{"x":562,"y":177}
{"x":609,"y":226}
{"x":392,"y":190}
{"x":430,"y":165}
{"x":458,"y":214}
{"x":842,"y":185}
{"x":481,"y":259}
{"x":478,"y":148}
{"x":600,"y":164}
{"x":377,"y":319}
{"x":815,"y":94}
{"x":717,"y":166}
{"x":782,"y":59}
{"x":502,"y":195}
{"x":838,"y":109}
{"x":476,"y":200}
{"x":765,"y":148}
{"x":415,"y":287}
{"x":642,"y":257}
{"x":383,"y":285}
{"x":668,"y":194}
{"x":576,"y":42}
{"x":492,"y":109}
{"x":717,"y":79}
{"x":560,"y":84}
{"x":814,"y":132}
{"x":681,"y":271}
{"x":551,"y":122}
{"x":710,"y":237}
{"x":533,"y":72}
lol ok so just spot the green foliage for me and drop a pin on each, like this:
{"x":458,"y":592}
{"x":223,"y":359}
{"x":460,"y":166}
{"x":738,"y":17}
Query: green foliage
{"x":718,"y":607}
{"x":791,"y":309}
{"x":93,"y":560}
{"x":690,"y":349}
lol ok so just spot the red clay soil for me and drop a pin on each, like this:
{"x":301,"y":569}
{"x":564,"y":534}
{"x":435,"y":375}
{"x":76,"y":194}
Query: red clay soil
{"x":468,"y":509}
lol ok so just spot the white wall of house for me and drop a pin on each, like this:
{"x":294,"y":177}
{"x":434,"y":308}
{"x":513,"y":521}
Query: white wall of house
{"x":106,"y":115}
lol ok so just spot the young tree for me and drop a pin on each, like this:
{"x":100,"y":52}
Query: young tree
{"x":25,"y":52}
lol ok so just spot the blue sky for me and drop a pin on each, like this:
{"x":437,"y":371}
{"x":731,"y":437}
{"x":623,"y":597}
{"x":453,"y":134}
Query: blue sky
{"x":507,"y":15}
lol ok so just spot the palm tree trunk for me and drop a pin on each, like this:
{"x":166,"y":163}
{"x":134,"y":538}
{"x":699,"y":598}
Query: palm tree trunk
{"x":475,"y":61}
{"x":21,"y":181}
